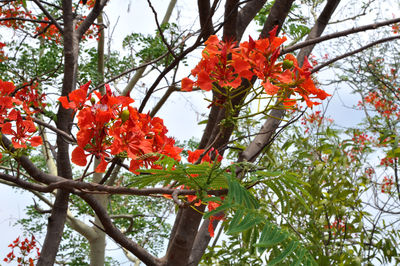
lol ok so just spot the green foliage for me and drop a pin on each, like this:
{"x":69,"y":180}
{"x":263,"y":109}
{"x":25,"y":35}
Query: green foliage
{"x":255,"y":229}
{"x":202,"y":177}
{"x":296,"y":27}
{"x":147,"y":48}
{"x":113,"y":63}
{"x":40,"y":60}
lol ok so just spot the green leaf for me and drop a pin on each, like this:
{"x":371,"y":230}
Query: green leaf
{"x":289,"y":249}
{"x":266,"y":173}
{"x":220,"y":208}
{"x":250,"y":220}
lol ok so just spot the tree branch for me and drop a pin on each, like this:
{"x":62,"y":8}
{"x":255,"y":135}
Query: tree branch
{"x":246,"y":15}
{"x":89,"y":20}
{"x":230,"y":20}
{"x":327,"y":63}
{"x":339,"y":34}
{"x":49,"y":16}
{"x":115,"y":233}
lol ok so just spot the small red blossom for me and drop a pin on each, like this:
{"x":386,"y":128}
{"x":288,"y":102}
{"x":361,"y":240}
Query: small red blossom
{"x":195,"y":155}
{"x":23,"y":133}
{"x":387,"y":184}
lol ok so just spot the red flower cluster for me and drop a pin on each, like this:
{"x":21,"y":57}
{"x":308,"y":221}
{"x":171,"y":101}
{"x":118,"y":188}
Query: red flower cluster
{"x":16,"y":112}
{"x":369,"y":172}
{"x":225,"y":65}
{"x":2,"y":56}
{"x":387,"y":161}
{"x":384,"y":107}
{"x":212,"y":206}
{"x":360,"y":141}
{"x":396,"y":28}
{"x":195,"y":155}
{"x":15,"y":9}
{"x":89,"y":3}
{"x":387,"y":184}
{"x":25,"y":247}
{"x":314,"y":118}
{"x":49,"y":31}
{"x":338,"y":225}
{"x":110,"y":126}
{"x":9,"y":10}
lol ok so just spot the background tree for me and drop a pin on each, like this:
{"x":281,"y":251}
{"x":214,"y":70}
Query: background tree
{"x":243,"y":194}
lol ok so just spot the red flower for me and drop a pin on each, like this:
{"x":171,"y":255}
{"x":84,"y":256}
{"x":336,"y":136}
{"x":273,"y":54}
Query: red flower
{"x":75,"y":99}
{"x":23,"y":133}
{"x":195,"y":155}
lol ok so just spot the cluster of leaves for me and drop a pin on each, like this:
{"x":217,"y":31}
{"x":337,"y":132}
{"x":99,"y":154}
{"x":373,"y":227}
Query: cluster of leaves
{"x":296,"y":27}
{"x":147,"y":48}
{"x":249,"y":223}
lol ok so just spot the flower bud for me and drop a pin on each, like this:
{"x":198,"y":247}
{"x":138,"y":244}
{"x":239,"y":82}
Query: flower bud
{"x":287,"y":64}
{"x":125,"y":115}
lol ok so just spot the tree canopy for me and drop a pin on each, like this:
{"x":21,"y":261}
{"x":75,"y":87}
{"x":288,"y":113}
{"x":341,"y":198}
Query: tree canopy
{"x":273,"y":179}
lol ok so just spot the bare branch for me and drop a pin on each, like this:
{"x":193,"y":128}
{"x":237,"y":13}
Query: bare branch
{"x":160,"y":31}
{"x":56,"y":130}
{"x":339,"y":34}
{"x":327,"y":63}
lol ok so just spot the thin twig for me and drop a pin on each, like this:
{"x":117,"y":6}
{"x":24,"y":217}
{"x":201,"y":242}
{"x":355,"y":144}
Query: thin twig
{"x":160,"y":31}
{"x":327,"y":63}
{"x":339,"y":34}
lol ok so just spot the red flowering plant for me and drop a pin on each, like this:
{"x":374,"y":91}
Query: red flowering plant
{"x":17,"y":110}
{"x":21,"y":252}
{"x":224,"y":66}
{"x":109,"y":126}
{"x":17,"y":15}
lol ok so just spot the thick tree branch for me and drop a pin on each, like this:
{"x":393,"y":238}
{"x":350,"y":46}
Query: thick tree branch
{"x":246,"y":15}
{"x":58,"y":216}
{"x":115,"y":233}
{"x":89,"y":20}
{"x":205,"y":14}
{"x":230,"y":20}
{"x":279,"y":12}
